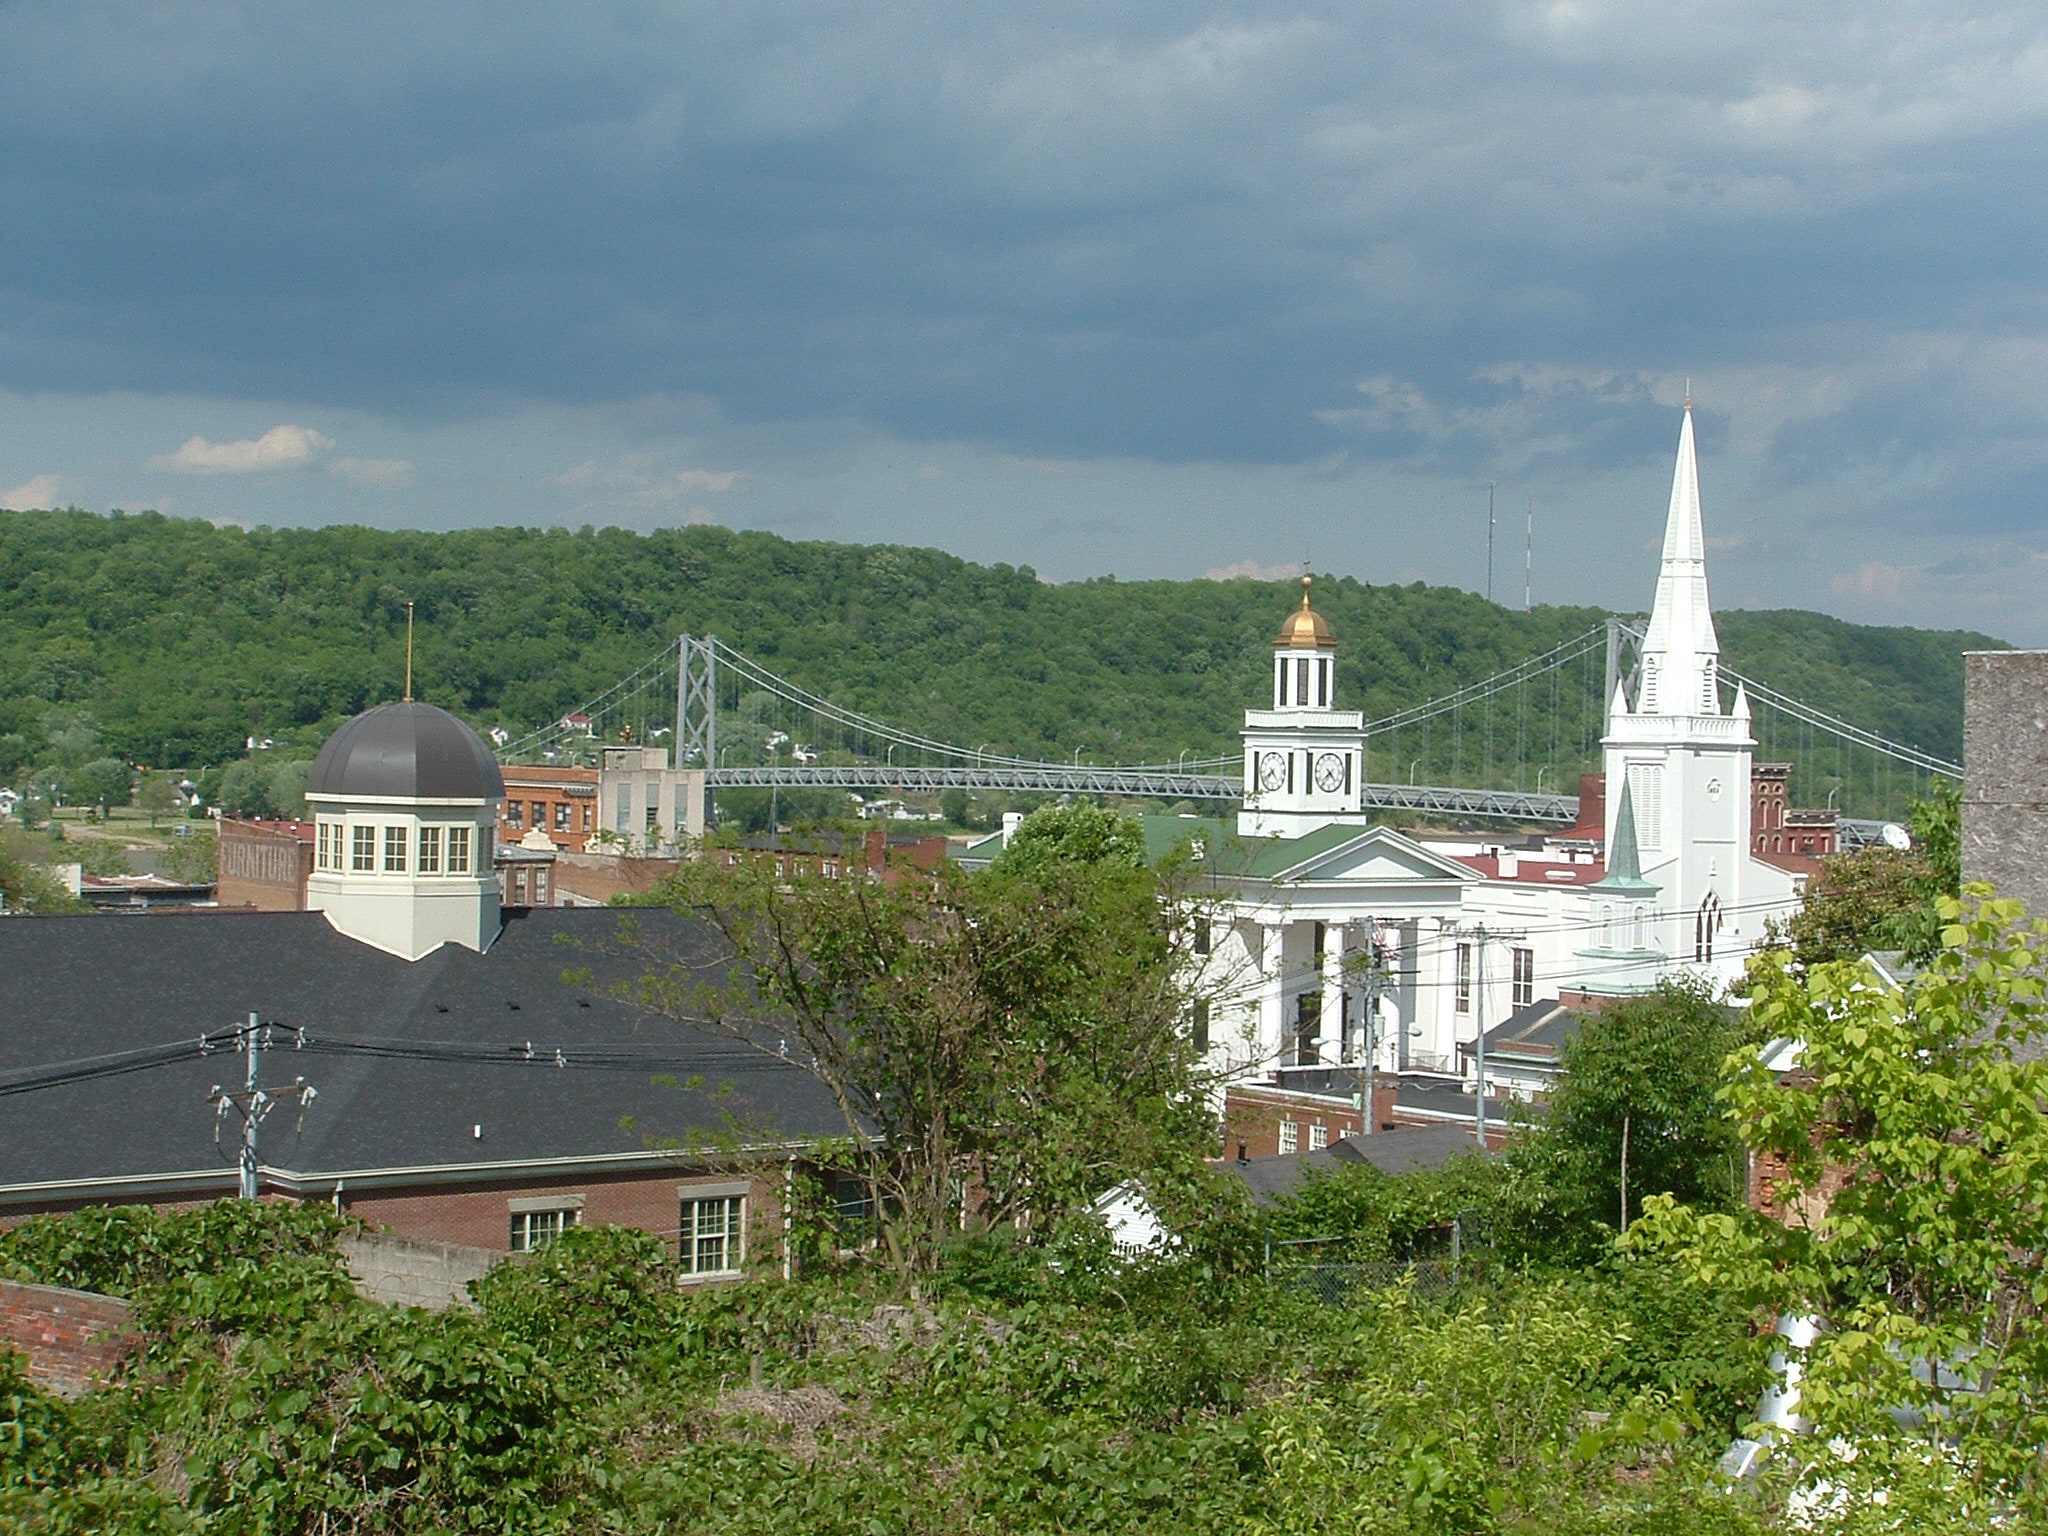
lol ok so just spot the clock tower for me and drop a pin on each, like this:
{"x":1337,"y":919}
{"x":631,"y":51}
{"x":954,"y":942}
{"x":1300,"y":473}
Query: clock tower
{"x":1304,"y":759}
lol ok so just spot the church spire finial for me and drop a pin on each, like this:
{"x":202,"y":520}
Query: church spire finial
{"x":1680,"y":650}
{"x":1306,"y":579}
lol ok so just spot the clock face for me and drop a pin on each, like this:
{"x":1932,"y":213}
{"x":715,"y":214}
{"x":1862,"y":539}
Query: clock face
{"x":1329,"y":772}
{"x":1272,"y":770}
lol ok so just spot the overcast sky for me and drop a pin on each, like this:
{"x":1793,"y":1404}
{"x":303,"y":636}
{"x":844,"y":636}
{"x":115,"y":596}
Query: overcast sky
{"x":1143,"y":288}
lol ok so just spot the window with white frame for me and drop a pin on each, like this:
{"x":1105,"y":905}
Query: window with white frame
{"x":394,"y":850}
{"x":535,"y":1223}
{"x":1525,"y":977}
{"x":1464,"y":987}
{"x":323,"y":847}
{"x":362,"y":850}
{"x":1290,"y":1136}
{"x":458,"y":850}
{"x":430,"y":850}
{"x":1318,"y":1137}
{"x":713,"y":1236}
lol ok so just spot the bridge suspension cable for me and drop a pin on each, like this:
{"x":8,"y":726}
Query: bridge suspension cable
{"x":1822,"y":720}
{"x":1473,"y":693}
{"x":623,"y":710}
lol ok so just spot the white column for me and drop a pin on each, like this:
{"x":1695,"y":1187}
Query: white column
{"x":1330,"y":1048}
{"x":1272,"y":996}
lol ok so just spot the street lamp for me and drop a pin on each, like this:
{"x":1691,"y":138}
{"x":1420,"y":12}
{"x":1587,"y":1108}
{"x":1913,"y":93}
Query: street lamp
{"x":1411,"y":769}
{"x":1077,"y":757}
{"x":1539,"y":777}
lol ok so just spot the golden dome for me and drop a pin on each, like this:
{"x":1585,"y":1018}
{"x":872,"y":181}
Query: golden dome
{"x":1305,"y":628}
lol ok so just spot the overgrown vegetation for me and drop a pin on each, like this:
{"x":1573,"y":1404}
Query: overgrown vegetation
{"x":1061,"y":1388}
{"x":590,"y":1391}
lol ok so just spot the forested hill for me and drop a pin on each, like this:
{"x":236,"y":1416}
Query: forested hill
{"x":180,"y":639}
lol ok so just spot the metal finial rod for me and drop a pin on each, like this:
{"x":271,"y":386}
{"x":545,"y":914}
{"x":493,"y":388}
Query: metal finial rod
{"x":408,"y":650}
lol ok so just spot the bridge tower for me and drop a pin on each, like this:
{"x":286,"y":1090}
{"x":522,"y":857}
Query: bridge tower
{"x":1304,"y":759}
{"x":1678,"y":762}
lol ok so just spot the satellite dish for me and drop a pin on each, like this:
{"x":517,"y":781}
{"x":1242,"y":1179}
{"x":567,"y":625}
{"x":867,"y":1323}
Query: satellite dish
{"x":1896,"y":836}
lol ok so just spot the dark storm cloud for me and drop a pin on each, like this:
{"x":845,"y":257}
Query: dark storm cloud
{"x":1426,"y":238}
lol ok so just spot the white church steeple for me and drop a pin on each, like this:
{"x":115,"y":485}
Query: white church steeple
{"x":1677,"y":757}
{"x":1681,"y":654}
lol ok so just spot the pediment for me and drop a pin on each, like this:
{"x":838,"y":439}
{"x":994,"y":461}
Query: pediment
{"x":1376,"y":856}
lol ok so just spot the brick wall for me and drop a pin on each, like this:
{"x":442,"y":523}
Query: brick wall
{"x":73,"y":1340}
{"x":1252,"y":1117}
{"x":599,"y":877}
{"x":264,"y":865}
{"x":480,"y":1215}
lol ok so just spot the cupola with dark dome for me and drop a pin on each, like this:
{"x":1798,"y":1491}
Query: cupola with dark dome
{"x":406,"y":751}
{"x":404,"y":803}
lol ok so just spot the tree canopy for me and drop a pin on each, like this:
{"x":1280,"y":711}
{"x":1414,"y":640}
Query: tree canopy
{"x":173,"y":643}
{"x":1018,"y":1034}
{"x":1907,"y":1151}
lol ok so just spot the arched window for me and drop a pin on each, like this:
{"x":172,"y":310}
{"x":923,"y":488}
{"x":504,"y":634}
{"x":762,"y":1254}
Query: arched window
{"x":1704,"y":926}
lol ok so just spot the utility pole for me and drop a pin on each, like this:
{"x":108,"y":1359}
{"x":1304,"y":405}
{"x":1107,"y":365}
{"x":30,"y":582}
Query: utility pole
{"x":253,"y":1102}
{"x":1479,"y":1039}
{"x":1529,"y":557}
{"x":1489,"y":541}
{"x":1375,"y":988}
{"x":1482,"y":937}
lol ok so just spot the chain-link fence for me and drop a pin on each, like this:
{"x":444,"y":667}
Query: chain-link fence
{"x":1337,"y":1284}
{"x":1445,"y":1263}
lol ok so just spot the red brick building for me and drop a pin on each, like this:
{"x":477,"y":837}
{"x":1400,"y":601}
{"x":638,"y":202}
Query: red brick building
{"x":560,"y":801}
{"x":264,"y":864}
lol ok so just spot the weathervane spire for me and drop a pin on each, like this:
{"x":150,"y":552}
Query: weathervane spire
{"x":408,"y":650}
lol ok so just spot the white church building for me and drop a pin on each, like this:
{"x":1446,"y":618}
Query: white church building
{"x":1334,"y":941}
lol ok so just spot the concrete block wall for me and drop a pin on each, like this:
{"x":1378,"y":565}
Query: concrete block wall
{"x":406,"y":1272}
{"x":73,"y":1340}
{"x":2005,"y":773}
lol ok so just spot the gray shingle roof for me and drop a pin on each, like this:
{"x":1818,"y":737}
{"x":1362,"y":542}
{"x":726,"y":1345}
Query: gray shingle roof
{"x":77,"y":987}
{"x":1406,"y":1150}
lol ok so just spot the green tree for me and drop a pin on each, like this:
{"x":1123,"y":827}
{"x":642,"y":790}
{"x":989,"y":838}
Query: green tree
{"x":195,"y":859}
{"x":26,"y":884}
{"x":1909,"y":1151}
{"x":105,"y":782}
{"x":1016,"y":1033}
{"x":245,"y":790}
{"x":1080,"y":833}
{"x":156,"y":794}
{"x":1635,"y":1114}
{"x":286,"y":786}
{"x":1874,"y":899}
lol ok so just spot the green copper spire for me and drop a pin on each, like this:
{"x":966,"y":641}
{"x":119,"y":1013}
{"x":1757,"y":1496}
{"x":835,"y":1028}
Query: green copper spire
{"x":1624,"y":863}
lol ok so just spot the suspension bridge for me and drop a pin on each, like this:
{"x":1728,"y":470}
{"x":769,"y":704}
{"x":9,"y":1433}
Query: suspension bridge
{"x":750,"y":728}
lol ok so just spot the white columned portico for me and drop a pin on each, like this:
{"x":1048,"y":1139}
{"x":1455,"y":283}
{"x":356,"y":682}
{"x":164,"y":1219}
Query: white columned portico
{"x":1272,"y":1039}
{"x":1330,"y":1035}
